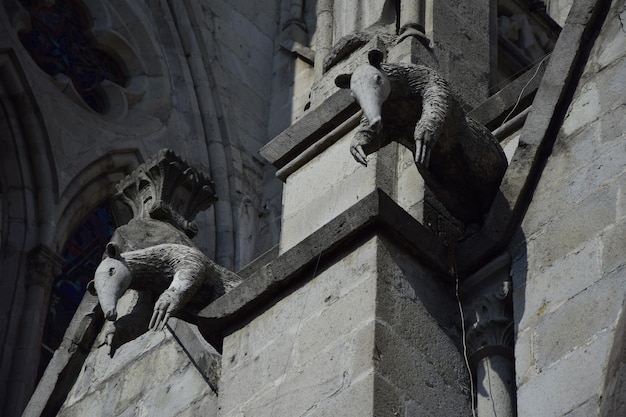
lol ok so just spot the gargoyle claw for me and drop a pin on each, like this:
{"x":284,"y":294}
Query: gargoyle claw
{"x":358,"y":154}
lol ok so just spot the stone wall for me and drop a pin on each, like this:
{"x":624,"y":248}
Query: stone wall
{"x":150,"y":376}
{"x":569,"y":270}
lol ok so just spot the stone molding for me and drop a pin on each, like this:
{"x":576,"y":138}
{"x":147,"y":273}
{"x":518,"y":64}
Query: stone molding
{"x":375,"y":213}
{"x":166,"y":188}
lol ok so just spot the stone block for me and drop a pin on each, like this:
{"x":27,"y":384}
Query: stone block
{"x":579,"y":320}
{"x":546,"y":291}
{"x":590,"y":408}
{"x":612,"y":125}
{"x":585,"y":108}
{"x":313,"y":180}
{"x":612,"y":39}
{"x":459,"y":33}
{"x":352,"y":311}
{"x":579,"y":166}
{"x":172,"y":396}
{"x":416,"y":376}
{"x":614,"y":247}
{"x":409,"y":184}
{"x":621,"y":197}
{"x":567,"y":385}
{"x":388,"y":400}
{"x":525,"y":362}
{"x":568,"y":232}
{"x":309,"y":202}
{"x":317,"y":339}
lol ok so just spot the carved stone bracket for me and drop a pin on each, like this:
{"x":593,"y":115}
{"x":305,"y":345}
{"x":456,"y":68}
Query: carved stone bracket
{"x":490,"y":326}
{"x":488,"y":307}
{"x":166,"y":188}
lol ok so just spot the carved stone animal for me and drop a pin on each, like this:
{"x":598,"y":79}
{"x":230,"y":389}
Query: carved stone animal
{"x":460,"y":160}
{"x":175,"y":271}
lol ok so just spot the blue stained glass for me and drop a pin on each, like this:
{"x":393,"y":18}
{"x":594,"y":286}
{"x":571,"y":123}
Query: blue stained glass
{"x":83,"y":252}
{"x":60,"y":43}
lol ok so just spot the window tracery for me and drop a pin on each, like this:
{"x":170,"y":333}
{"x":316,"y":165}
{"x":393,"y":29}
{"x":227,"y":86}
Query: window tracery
{"x":60,"y":42}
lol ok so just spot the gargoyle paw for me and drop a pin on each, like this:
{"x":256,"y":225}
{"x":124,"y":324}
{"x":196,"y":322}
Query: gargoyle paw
{"x":162,"y":311}
{"x":358,"y":154}
{"x":423,"y":142}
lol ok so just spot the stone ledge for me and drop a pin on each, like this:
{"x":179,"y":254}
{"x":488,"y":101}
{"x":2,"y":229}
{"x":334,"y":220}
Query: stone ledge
{"x":309,"y":129}
{"x":376,"y":213}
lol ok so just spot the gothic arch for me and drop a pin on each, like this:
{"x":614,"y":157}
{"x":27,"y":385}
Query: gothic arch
{"x":28,"y":187}
{"x":95,"y":183}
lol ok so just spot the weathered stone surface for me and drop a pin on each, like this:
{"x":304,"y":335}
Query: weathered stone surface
{"x":174,"y":385}
{"x":374,"y":212}
{"x":569,"y":283}
{"x":556,"y":337}
{"x":316,"y":360}
{"x":571,"y":275}
{"x":317,"y":347}
{"x":550,"y":394}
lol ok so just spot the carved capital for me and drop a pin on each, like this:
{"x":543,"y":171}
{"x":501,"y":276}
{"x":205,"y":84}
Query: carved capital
{"x":488,"y":307}
{"x":43,"y":265}
{"x":166,"y":188}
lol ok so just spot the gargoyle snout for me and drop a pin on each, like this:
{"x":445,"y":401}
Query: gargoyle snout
{"x":376,"y":124}
{"x":110,"y":314}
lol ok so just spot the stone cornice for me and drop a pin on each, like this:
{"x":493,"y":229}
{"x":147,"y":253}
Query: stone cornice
{"x":375,"y":214}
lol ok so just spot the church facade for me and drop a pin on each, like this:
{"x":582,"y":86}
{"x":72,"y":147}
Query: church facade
{"x":360,"y":293}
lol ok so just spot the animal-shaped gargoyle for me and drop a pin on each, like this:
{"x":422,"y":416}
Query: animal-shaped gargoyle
{"x":460,"y":160}
{"x":176,"y":272}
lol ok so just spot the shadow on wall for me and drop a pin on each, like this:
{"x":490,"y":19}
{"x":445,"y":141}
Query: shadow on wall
{"x":614,"y":399}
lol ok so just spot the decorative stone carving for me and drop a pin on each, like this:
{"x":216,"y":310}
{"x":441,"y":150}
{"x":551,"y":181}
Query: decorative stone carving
{"x":153,"y":254}
{"x":459,"y":159}
{"x":490,"y":323}
{"x":176,"y":271}
{"x":166,"y":188}
{"x":489,"y":336}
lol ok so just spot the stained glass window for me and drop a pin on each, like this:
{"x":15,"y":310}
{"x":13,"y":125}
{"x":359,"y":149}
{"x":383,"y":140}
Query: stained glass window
{"x":83,"y":252}
{"x":60,"y":42}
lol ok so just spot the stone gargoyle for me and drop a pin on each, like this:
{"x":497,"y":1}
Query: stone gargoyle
{"x":152,"y":257}
{"x":175,"y":271}
{"x":460,"y":160}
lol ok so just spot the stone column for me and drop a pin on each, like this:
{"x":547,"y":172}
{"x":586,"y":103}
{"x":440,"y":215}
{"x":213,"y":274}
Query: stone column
{"x":324,"y":33}
{"x":488,"y":314}
{"x":43,"y":266}
{"x":412,"y":20}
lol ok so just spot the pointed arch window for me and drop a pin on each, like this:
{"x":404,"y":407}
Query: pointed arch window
{"x":82,"y":254}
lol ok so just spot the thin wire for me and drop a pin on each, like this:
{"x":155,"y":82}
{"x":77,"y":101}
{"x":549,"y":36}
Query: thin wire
{"x":519,"y":98}
{"x":465,"y":357}
{"x":517,"y":74}
{"x":453,"y":265}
